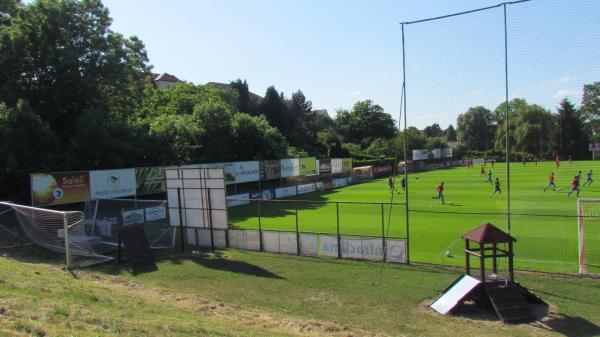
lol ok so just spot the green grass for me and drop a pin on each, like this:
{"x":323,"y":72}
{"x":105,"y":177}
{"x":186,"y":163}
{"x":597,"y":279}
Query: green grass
{"x":259,"y":294}
{"x":546,"y":243}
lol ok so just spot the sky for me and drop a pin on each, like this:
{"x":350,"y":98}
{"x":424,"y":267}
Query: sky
{"x":339,"y":52}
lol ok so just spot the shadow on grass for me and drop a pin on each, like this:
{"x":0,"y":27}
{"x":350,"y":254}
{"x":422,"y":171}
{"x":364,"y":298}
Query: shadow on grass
{"x":570,"y":326}
{"x":222,"y":263}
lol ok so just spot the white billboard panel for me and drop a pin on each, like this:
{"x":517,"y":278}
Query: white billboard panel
{"x":340,"y":182}
{"x":109,"y":184}
{"x":238,"y":199}
{"x":336,"y":165}
{"x":156,"y":213}
{"x":246,"y":171}
{"x":437,"y":153}
{"x":420,"y":154}
{"x":285,"y":192}
{"x":306,"y":188}
{"x":290,"y":167}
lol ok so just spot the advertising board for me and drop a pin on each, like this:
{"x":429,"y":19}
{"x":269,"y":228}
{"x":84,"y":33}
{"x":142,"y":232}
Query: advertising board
{"x":270,"y":169}
{"x":420,"y":154}
{"x":238,"y":199}
{"x":324,"y":166}
{"x":306,"y":188}
{"x":347,"y":165}
{"x":340,"y":182}
{"x":246,"y":171}
{"x":336,"y":165}
{"x":382,"y":170}
{"x":290,"y":167}
{"x":308,"y":165}
{"x":59,"y":188}
{"x":362,"y":173}
{"x":150,"y":180}
{"x":156,"y":213}
{"x":108,"y":184}
{"x":283,"y":192}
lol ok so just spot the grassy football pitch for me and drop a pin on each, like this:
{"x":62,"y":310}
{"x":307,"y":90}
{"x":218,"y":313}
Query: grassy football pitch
{"x":544,"y":223}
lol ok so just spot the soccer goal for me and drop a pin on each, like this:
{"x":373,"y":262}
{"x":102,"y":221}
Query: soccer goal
{"x":588,"y":211}
{"x":105,"y":217}
{"x":61,"y":232}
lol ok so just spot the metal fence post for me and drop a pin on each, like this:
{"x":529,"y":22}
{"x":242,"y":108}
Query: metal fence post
{"x":297,"y":232}
{"x":339,"y":238}
{"x":260,"y":234}
{"x":66,"y":235}
{"x":383,"y":234}
{"x":180,"y":219}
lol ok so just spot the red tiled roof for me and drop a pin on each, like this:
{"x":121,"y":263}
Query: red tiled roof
{"x":488,"y":233}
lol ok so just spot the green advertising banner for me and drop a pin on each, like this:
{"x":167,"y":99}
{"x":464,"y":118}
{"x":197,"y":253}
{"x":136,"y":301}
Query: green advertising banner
{"x":347,"y":165}
{"x":308,"y":165}
{"x":150,"y":180}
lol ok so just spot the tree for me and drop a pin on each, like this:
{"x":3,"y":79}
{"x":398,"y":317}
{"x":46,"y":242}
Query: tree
{"x":63,"y":59}
{"x":433,"y":130}
{"x":366,"y":121}
{"x":244,"y":102}
{"x":474,"y":128}
{"x":450,"y":134}
{"x":275,"y":110}
{"x":571,"y":134}
{"x":254,"y":138}
{"x":590,"y":102}
{"x":534,"y":130}
{"x":300,"y":111}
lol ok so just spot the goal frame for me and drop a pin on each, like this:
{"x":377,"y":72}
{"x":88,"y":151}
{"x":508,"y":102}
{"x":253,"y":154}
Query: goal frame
{"x":581,"y":234}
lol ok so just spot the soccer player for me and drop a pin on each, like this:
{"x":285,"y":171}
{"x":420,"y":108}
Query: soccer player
{"x":490,"y":173}
{"x":496,"y":187}
{"x":482,"y":171}
{"x":403,"y":182}
{"x":440,"y":190}
{"x":391,"y":184}
{"x":557,"y":161}
{"x":492,"y":162}
{"x":588,"y":178}
{"x":574,"y":187}
{"x":550,"y":182}
{"x":578,"y":176}
{"x":570,"y":160}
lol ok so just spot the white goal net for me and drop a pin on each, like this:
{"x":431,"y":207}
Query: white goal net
{"x":588,"y":211}
{"x":61,"y":232}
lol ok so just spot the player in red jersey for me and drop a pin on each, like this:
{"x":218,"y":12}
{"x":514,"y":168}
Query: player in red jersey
{"x":574,"y":187}
{"x":557,"y":161}
{"x":550,"y":182}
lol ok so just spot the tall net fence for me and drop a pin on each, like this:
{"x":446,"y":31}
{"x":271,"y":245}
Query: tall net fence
{"x":541,"y":56}
{"x":61,"y":232}
{"x":589,"y":236}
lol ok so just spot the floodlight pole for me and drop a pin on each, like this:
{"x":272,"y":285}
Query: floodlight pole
{"x":507,"y":117}
{"x":405,"y":155}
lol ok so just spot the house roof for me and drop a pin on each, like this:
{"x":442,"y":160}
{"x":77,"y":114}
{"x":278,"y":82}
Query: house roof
{"x":488,"y":233}
{"x":252,"y":95}
{"x":166,"y":77}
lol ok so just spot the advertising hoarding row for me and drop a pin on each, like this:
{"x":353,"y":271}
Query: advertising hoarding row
{"x":71,"y":187}
{"x":432,"y":154}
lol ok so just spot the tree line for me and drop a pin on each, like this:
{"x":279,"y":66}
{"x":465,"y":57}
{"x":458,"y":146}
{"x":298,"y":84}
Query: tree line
{"x":75,"y":95}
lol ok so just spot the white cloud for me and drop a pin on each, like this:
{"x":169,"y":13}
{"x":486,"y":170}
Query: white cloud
{"x":565,"y":79}
{"x":355,"y":93}
{"x":566,"y":93}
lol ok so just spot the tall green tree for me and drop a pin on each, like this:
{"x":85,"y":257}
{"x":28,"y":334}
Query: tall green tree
{"x":450,"y":133}
{"x":274,"y":107}
{"x":254,"y":138}
{"x":433,"y":130}
{"x":571,"y":135}
{"x":475,"y":128}
{"x":366,"y":121}
{"x":244,"y":101}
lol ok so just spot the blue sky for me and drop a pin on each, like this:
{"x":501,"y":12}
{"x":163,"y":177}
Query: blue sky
{"x":338,"y":52}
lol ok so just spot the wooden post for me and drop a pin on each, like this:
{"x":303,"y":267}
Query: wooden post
{"x":339,"y":238}
{"x":66,"y":237}
{"x":494,"y":263}
{"x":383,"y":234}
{"x":467,"y":258}
{"x":260,"y":234}
{"x":511,"y":275}
{"x":297,"y":233}
{"x":482,"y":262}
